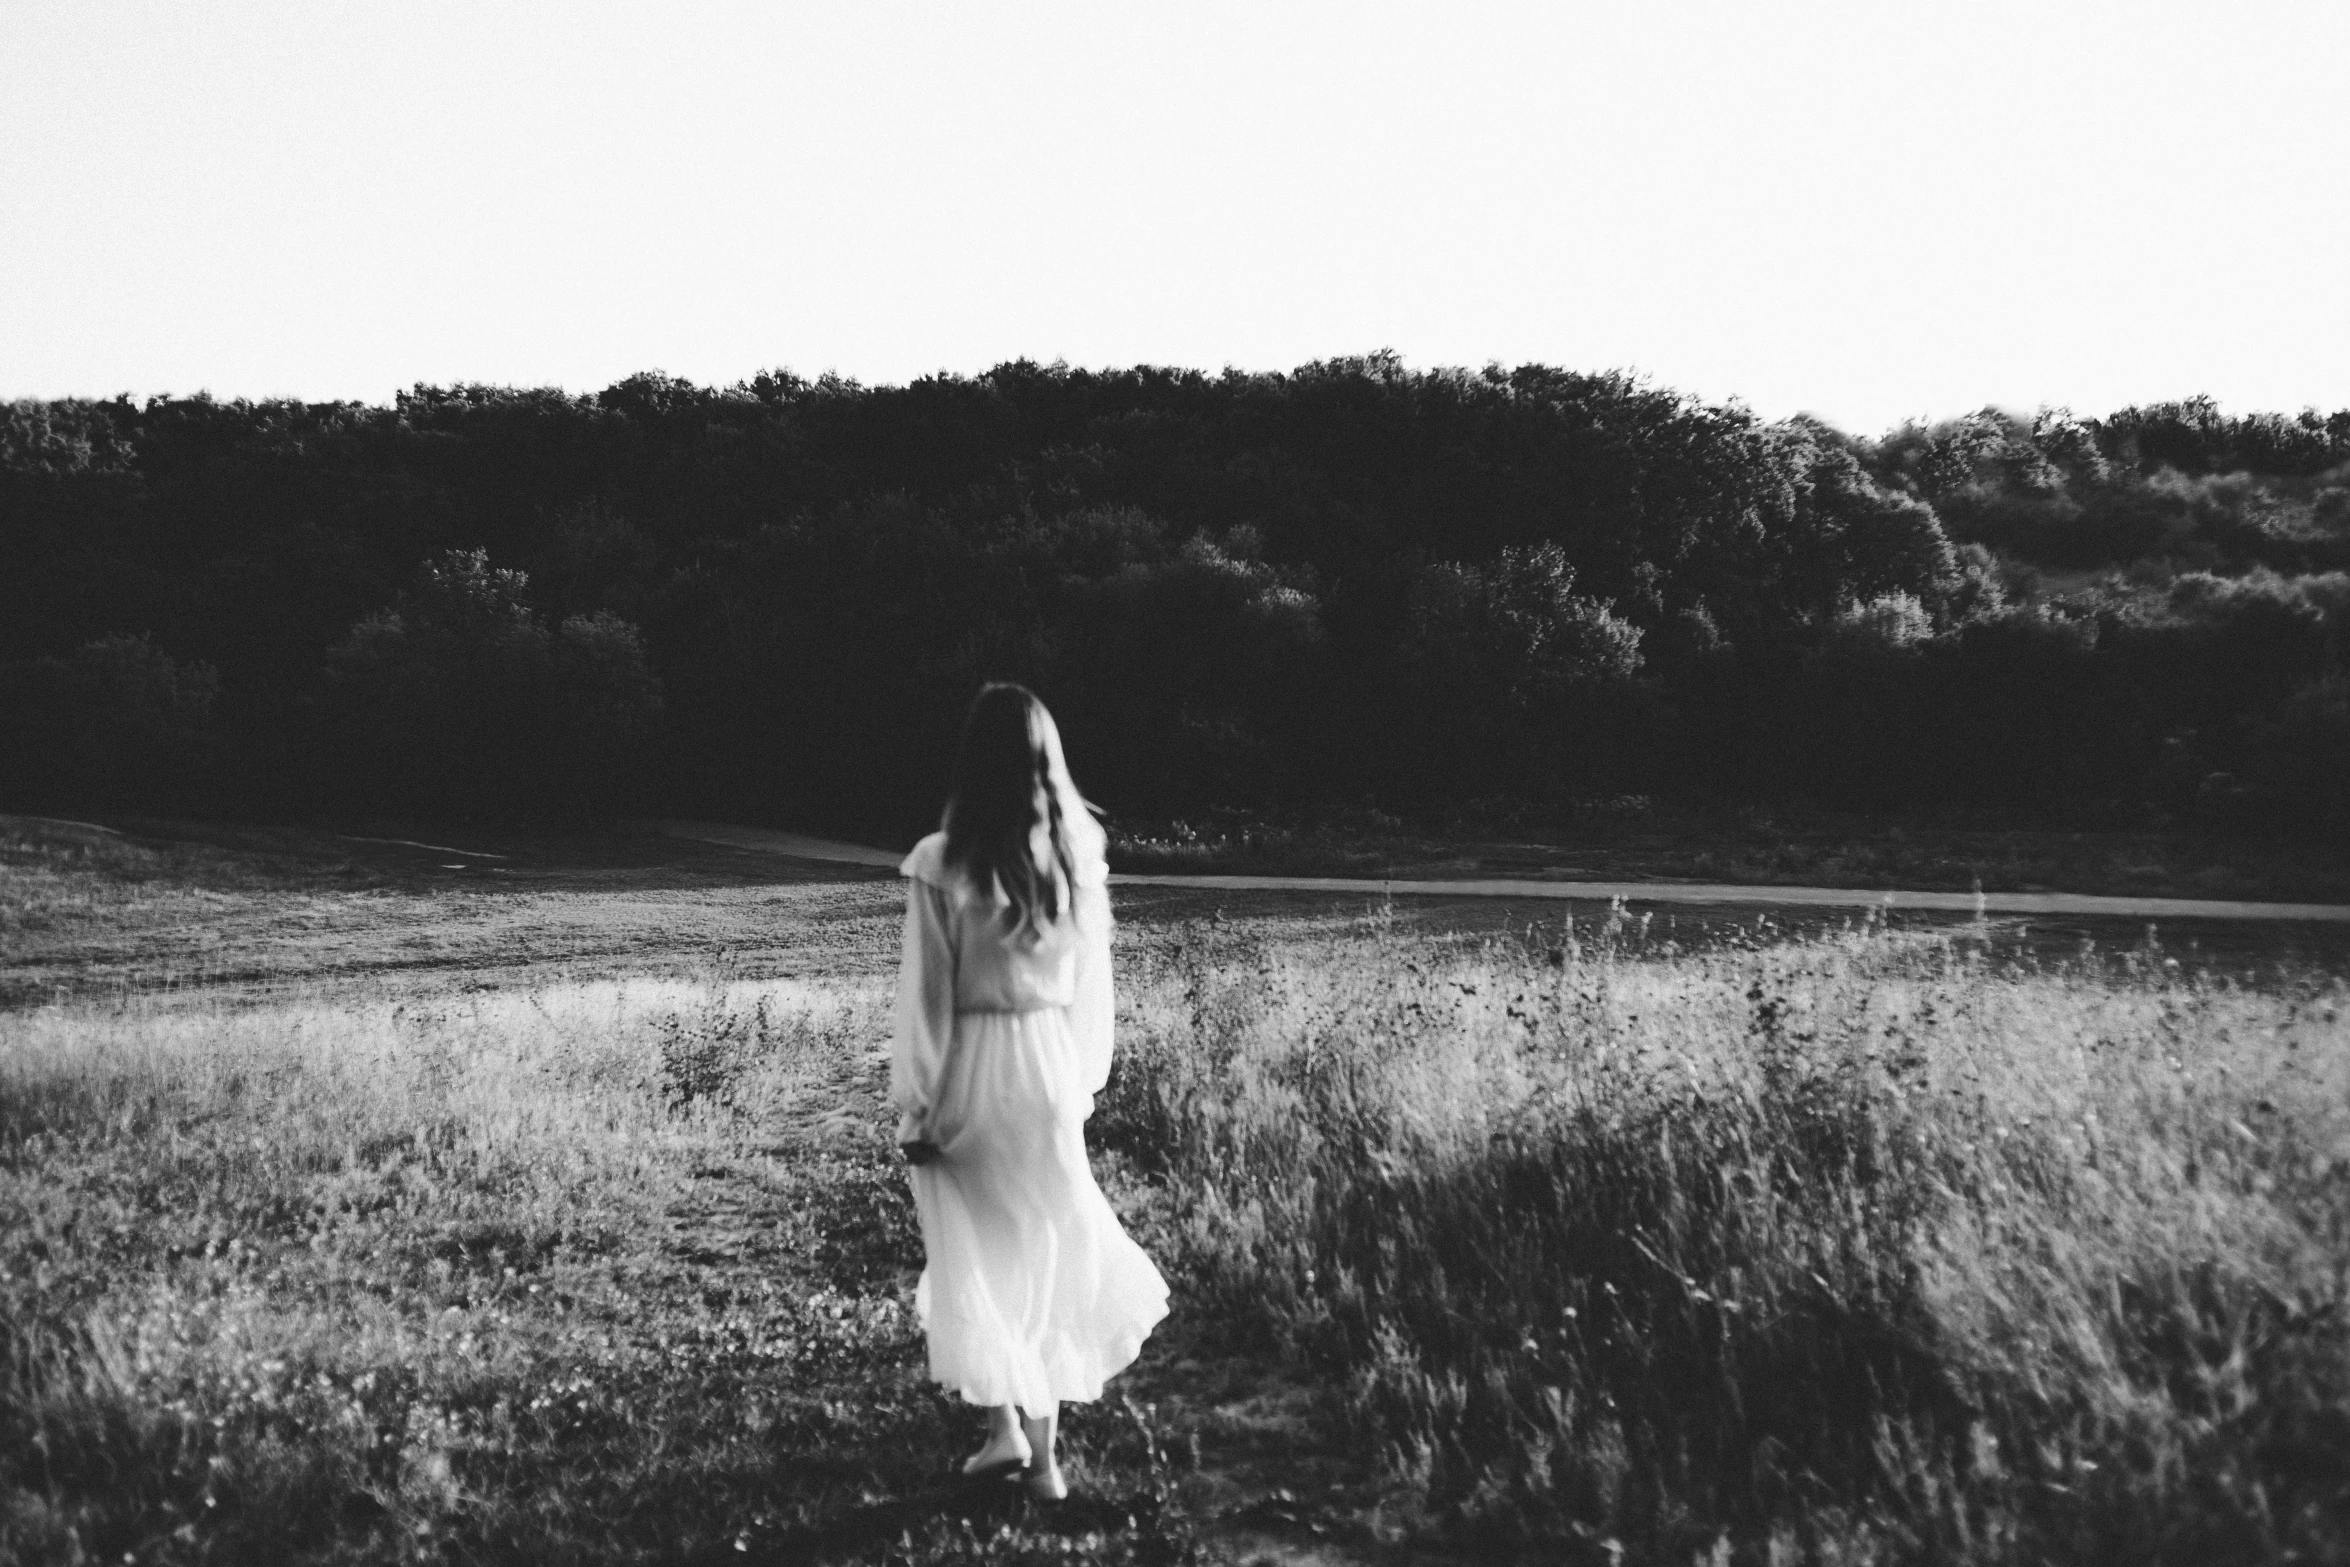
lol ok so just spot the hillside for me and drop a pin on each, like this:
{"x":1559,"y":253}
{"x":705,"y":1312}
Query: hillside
{"x":1352,"y":586}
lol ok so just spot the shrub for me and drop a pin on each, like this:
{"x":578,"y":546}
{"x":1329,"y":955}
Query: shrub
{"x":118,"y":724}
{"x":1517,"y":627}
{"x":1193,"y":676}
{"x":1508,"y":672}
{"x":1894,"y":621}
{"x":462,"y":700}
{"x":2296,"y":769}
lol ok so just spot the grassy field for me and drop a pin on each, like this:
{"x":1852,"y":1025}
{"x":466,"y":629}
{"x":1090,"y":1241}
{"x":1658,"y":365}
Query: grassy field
{"x":357,"y":1208}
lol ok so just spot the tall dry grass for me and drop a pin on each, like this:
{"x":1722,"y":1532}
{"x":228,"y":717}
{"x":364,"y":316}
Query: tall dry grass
{"x":1877,"y":1247}
{"x":406,"y":1277}
{"x":1870,"y":1248}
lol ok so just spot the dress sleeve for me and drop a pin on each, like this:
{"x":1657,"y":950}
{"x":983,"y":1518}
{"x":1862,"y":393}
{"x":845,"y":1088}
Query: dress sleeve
{"x":926,"y":1009}
{"x":1093,"y":1015}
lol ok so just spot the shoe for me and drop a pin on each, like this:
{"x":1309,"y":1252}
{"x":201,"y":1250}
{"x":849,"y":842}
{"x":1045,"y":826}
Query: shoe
{"x":1001,"y":1458}
{"x":1045,"y":1484}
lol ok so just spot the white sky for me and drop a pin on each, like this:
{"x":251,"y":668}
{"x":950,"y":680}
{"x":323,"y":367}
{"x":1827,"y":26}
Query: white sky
{"x":1868,"y":211}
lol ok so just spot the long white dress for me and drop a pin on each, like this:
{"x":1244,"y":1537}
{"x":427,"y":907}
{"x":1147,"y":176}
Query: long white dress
{"x":1031,"y":1292}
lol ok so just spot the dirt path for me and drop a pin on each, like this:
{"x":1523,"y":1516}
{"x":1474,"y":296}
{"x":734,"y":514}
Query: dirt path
{"x":1715,"y":894}
{"x":804,"y":1233}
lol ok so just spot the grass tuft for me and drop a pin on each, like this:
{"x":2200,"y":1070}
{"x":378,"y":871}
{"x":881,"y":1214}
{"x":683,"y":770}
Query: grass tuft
{"x":1871,"y":1247}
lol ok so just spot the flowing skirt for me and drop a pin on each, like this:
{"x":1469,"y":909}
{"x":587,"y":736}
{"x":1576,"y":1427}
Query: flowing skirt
{"x":1031,"y":1292}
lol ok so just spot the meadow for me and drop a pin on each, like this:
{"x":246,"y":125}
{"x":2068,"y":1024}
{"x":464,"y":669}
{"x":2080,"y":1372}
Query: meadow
{"x":575,"y":1233}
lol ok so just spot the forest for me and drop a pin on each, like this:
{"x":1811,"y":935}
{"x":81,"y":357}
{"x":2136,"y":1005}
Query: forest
{"x":1351,"y":586}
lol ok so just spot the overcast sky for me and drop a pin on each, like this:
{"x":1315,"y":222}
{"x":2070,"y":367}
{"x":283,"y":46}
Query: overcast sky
{"x":1867,"y":211}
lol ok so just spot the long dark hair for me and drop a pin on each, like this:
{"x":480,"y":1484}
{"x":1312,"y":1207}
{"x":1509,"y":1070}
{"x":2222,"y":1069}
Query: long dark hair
{"x":1009,"y":779}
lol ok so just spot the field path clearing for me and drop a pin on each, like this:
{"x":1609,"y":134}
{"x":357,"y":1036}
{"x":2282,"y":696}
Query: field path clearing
{"x":2074,"y":904}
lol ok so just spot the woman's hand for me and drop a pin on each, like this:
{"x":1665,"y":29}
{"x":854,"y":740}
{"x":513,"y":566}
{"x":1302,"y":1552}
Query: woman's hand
{"x":914,"y":1137}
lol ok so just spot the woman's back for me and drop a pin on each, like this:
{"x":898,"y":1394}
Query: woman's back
{"x":1001,"y":965}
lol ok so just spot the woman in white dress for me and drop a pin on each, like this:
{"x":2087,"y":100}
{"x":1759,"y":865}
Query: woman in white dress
{"x":1031,"y":1293}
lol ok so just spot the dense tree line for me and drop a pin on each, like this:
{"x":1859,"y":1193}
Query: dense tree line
{"x":1352,"y":583}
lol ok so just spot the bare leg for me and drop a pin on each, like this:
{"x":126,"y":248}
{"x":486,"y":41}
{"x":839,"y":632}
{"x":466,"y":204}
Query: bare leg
{"x":1005,"y":1449}
{"x":1044,"y":1465}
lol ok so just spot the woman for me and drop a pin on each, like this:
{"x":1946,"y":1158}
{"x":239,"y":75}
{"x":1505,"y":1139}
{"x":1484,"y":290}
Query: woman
{"x":1031,"y":1294}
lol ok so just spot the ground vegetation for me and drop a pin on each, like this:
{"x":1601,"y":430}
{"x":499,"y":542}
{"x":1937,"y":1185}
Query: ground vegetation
{"x":1576,"y":1241}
